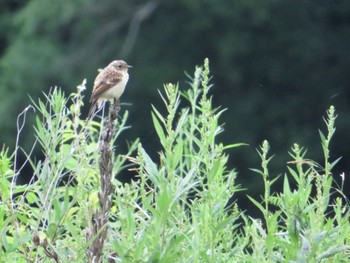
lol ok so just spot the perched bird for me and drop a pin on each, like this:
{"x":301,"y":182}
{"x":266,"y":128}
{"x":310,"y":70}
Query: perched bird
{"x":109,"y":84}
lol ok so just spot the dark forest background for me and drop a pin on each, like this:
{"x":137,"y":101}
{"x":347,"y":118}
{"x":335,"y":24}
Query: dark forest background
{"x":277,"y":65}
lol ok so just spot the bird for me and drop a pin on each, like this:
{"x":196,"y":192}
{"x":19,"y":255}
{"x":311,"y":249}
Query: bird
{"x":109,"y":84}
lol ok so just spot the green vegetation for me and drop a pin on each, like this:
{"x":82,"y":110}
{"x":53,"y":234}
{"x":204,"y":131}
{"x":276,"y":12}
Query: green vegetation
{"x":279,"y":64}
{"x":177,"y":208}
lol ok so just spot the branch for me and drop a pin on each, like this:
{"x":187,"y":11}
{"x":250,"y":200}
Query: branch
{"x":141,"y":14}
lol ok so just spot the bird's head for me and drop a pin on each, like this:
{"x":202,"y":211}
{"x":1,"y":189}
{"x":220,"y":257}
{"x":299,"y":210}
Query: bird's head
{"x":120,"y":65}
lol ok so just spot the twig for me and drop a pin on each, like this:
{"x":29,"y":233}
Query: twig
{"x":140,"y":15}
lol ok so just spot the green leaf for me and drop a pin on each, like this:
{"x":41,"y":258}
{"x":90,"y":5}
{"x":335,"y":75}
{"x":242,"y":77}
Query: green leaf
{"x":331,"y":252}
{"x":257,"y":171}
{"x":178,"y":152}
{"x":52,"y":230}
{"x":257,"y":204}
{"x":160,"y":117}
{"x":274,"y":180}
{"x":32,"y":197}
{"x":181,"y":122}
{"x":323,"y":138}
{"x":234,"y":145}
{"x":151,"y":168}
{"x":159,"y":129}
{"x":294,"y":174}
{"x":335,"y":162}
{"x":23,"y":218}
{"x":286,"y":187}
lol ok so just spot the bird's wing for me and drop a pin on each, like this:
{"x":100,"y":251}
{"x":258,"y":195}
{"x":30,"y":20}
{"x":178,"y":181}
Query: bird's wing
{"x":104,"y":81}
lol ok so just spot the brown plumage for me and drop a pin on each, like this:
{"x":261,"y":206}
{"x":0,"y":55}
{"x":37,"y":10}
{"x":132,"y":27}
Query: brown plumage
{"x":109,"y":84}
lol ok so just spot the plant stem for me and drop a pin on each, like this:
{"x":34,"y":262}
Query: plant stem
{"x":100,"y":217}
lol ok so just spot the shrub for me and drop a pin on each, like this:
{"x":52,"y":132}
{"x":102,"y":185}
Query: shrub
{"x":177,"y":208}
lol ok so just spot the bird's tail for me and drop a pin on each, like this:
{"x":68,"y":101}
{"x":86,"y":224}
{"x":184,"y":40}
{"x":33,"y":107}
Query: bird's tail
{"x":92,"y":110}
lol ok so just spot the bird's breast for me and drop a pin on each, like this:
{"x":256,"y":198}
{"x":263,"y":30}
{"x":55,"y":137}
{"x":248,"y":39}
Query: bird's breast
{"x":116,"y":91}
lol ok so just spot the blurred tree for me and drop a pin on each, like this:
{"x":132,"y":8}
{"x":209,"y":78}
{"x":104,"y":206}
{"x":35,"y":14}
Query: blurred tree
{"x":277,"y":66}
{"x":59,"y":43}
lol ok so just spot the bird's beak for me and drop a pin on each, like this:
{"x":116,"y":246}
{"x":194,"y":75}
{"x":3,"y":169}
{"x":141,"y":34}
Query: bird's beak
{"x":129,"y":66}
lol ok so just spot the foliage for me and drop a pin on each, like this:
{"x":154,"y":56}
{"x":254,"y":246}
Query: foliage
{"x":178,"y":208}
{"x":278,"y":63}
{"x":305,"y":227}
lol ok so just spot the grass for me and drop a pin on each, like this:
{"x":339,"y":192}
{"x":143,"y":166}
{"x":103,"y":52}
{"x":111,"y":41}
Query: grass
{"x":176,"y":209}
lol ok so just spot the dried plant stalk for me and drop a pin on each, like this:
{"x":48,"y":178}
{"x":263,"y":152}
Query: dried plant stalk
{"x":98,"y":234}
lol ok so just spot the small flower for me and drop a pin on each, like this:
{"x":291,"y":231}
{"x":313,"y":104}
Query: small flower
{"x":82,"y":86}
